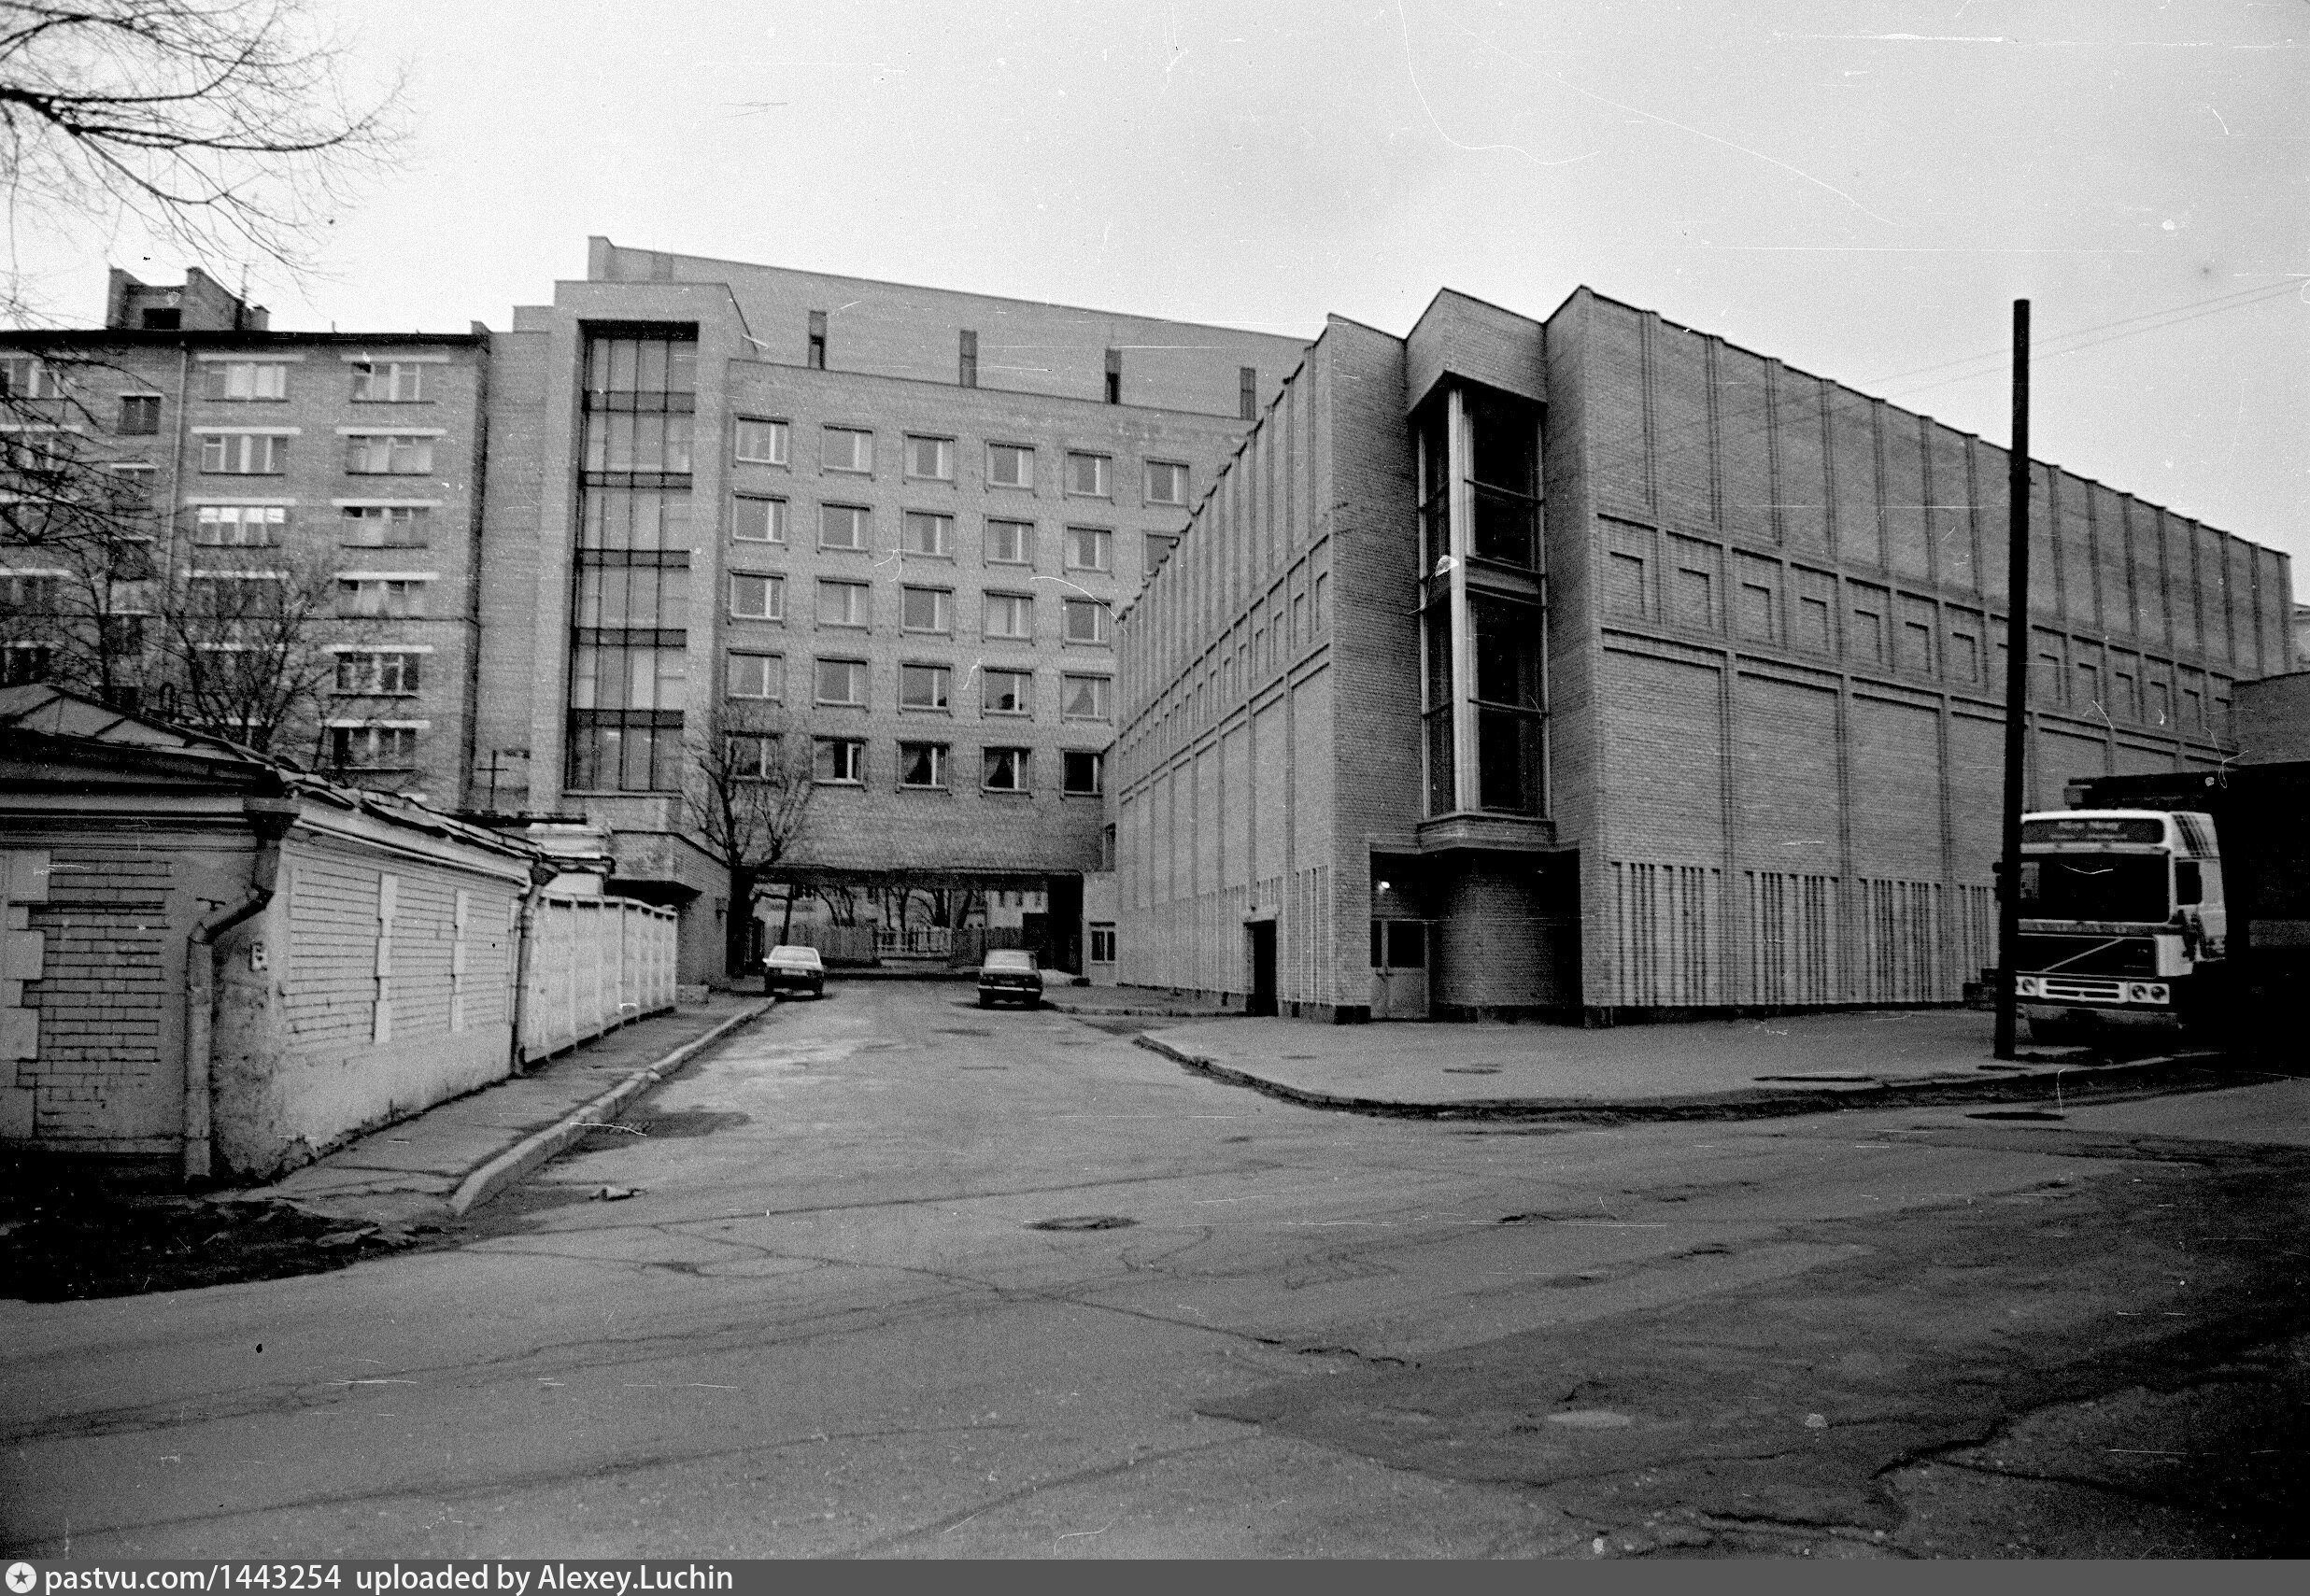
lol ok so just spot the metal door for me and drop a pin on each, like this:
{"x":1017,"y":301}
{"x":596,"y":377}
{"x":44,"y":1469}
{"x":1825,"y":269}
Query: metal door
{"x":1399,"y":969}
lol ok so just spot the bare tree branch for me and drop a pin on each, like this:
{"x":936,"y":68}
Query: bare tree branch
{"x":747,"y":801}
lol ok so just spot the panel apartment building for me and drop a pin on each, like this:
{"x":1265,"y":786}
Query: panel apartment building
{"x":1595,"y":667}
{"x":343,"y":469}
{"x":892,"y":521}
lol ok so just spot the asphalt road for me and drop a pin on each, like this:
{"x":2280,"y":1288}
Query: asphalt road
{"x":829,"y":1321}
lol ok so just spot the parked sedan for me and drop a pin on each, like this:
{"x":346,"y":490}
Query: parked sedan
{"x":1010,"y":976}
{"x":786,"y":968}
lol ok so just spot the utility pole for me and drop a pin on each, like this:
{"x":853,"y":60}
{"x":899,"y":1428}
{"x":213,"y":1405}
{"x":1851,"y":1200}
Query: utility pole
{"x":2016,"y":686}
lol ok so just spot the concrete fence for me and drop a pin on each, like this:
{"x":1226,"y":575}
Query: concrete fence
{"x":592,"y":964}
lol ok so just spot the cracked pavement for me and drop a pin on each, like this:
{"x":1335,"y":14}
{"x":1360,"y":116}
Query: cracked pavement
{"x":822,"y":1325}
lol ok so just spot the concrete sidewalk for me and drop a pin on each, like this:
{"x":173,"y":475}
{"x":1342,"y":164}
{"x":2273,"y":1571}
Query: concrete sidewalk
{"x":461,"y":1153}
{"x":1138,"y":1001}
{"x":1797,"y":1064}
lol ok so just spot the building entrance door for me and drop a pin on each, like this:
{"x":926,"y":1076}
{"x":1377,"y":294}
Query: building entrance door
{"x":1263,"y":967}
{"x":1399,"y":969}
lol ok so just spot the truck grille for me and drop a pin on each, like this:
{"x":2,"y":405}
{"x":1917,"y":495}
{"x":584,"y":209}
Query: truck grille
{"x":2058,"y":990}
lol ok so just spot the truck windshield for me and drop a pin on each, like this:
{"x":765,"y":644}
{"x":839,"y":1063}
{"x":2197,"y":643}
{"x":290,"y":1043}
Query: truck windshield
{"x":2094,"y":886}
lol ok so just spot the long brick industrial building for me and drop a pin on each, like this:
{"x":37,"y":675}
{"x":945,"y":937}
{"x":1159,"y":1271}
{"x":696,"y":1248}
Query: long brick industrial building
{"x":1599,"y":667}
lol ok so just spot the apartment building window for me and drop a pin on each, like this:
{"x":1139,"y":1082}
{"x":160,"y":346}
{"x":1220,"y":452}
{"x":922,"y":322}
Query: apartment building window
{"x":245,"y":454}
{"x":1004,"y":770}
{"x":1087,"y":620}
{"x":762,"y":443}
{"x":1089,"y":548}
{"x":925,"y":687}
{"x":239,"y":526}
{"x":930,"y":459}
{"x":372,"y":747}
{"x":1009,"y":615}
{"x":240,"y":380}
{"x":1087,"y":476}
{"x":383,"y":673}
{"x":401,"y":598}
{"x":1247,"y":393}
{"x":389,"y":382}
{"x":846,"y":448}
{"x":966,"y":369}
{"x":1103,"y":945}
{"x":1010,"y":465}
{"x":757,"y":598}
{"x":845,"y":526}
{"x":815,"y":358}
{"x":838,"y":761}
{"x":28,"y":376}
{"x":1083,"y":774}
{"x":140,"y":415}
{"x":925,"y":608}
{"x":1166,"y":483}
{"x":30,"y":592}
{"x":758,"y":520}
{"x":1114,"y":377}
{"x":388,"y":454}
{"x":758,"y":676}
{"x":1010,"y":543}
{"x":922,"y":764}
{"x":841,"y":603}
{"x":385,"y":526}
{"x":928,"y":534}
{"x":1087,"y":698}
{"x":841,"y":682}
{"x":21,"y":663}
{"x":1007,"y":692}
{"x":754,"y":756}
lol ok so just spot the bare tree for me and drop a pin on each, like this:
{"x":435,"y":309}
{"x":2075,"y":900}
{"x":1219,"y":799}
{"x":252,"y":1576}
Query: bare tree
{"x":227,"y":131}
{"x":748,"y":801}
{"x":244,"y":648}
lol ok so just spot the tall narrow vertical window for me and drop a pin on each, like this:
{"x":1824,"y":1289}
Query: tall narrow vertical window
{"x":1504,"y":476}
{"x":1114,"y":377}
{"x":1508,"y":705}
{"x":967,"y":363}
{"x":1247,"y":393}
{"x":817,"y":341}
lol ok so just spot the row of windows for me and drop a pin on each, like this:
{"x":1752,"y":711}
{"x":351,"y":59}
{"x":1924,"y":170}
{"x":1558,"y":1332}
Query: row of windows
{"x":380,"y":382}
{"x":841,"y":761}
{"x":1010,"y":617}
{"x":266,"y":454}
{"x":358,"y":526}
{"x":757,"y":519}
{"x":842,"y":683}
{"x":931,"y":458}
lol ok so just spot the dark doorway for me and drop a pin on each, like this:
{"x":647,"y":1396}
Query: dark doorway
{"x":1263,"y":968}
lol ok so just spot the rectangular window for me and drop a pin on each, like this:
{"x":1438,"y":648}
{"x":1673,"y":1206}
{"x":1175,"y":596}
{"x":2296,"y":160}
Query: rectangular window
{"x":239,"y":526}
{"x":1693,"y":572}
{"x":1009,"y":615}
{"x":762,"y":443}
{"x":841,"y":682}
{"x":140,"y":414}
{"x":1008,"y":465}
{"x":925,"y":608}
{"x":1247,"y":393}
{"x":1103,"y":945}
{"x":927,"y":534}
{"x":643,"y":441}
{"x":922,"y":764}
{"x":638,"y":596}
{"x":1004,"y":771}
{"x":1089,"y":548}
{"x":1114,"y":377}
{"x":846,"y":449}
{"x":843,"y":525}
{"x":382,"y":674}
{"x":841,"y":603}
{"x":389,"y":382}
{"x":1083,"y":773}
{"x":838,"y":760}
{"x":245,"y":379}
{"x":815,"y":358}
{"x":1087,"y":698}
{"x":1008,"y":692}
{"x":1867,"y":640}
{"x":1087,"y":475}
{"x":399,"y":598}
{"x":385,"y":526}
{"x":1010,"y":543}
{"x":1086,"y":620}
{"x":757,"y":598}
{"x":1759,"y":615}
{"x":619,"y":678}
{"x":382,"y":454}
{"x":28,"y":376}
{"x":1166,"y":483}
{"x":967,"y":359}
{"x":755,"y":676}
{"x":754,"y":520}
{"x":930,"y":458}
{"x":925,"y":687}
{"x":372,"y":747}
{"x":245,"y":454}
{"x":754,"y":756}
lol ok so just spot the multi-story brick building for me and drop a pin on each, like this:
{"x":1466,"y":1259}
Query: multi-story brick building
{"x":342,"y":469}
{"x":1598,"y":666}
{"x":887,"y":523}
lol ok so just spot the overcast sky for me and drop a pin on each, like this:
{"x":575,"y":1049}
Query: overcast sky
{"x":1857,"y":187}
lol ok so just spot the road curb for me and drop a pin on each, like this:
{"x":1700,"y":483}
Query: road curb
{"x":1922,"y":1093}
{"x":525,"y":1155}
